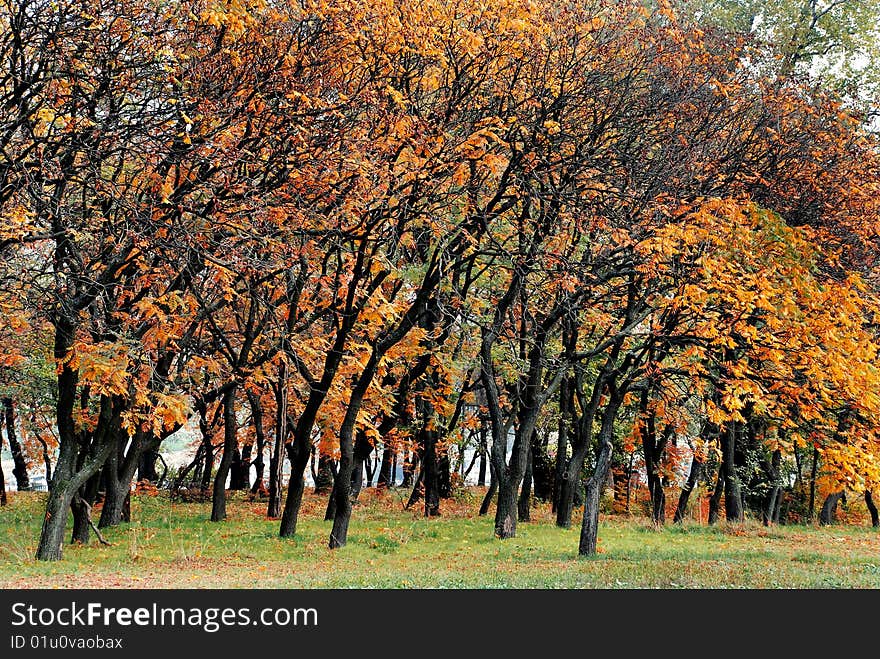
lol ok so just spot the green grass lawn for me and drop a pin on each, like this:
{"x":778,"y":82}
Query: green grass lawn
{"x":173,"y":545}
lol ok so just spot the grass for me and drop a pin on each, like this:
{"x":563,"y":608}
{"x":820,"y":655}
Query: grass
{"x":173,"y":545}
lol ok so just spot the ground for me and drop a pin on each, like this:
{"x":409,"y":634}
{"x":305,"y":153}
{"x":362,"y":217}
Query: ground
{"x":173,"y":545}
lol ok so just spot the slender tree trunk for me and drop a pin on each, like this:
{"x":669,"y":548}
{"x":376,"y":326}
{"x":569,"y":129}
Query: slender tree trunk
{"x":191,"y":468}
{"x":430,"y":473}
{"x":444,"y":473}
{"x":208,"y":468}
{"x":417,"y":488}
{"x":777,"y":511}
{"x":230,"y":438}
{"x":260,"y":439}
{"x":717,"y":493}
{"x":410,"y":465}
{"x":590,"y":525}
{"x":562,"y":444}
{"x":525,"y":495}
{"x":147,"y":466}
{"x":775,"y":488}
{"x":490,"y":493}
{"x":386,"y":469}
{"x":362,"y":449}
{"x":872,"y":508}
{"x":3,"y":500}
{"x":240,"y":468}
{"x":276,"y":461}
{"x":483,"y":450}
{"x":20,"y":470}
{"x":811,"y":512}
{"x":81,"y":507}
{"x":829,"y":508}
{"x":47,"y":461}
{"x":324,"y":481}
{"x":733,"y":506}
{"x":693,"y":477}
{"x":510,"y":476}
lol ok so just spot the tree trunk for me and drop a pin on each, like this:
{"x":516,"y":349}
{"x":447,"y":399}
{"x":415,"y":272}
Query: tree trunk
{"x":260,"y":439}
{"x":775,"y":488}
{"x":829,"y":508}
{"x":362,"y":449}
{"x":67,"y":479}
{"x":811,"y":511}
{"x":418,"y":487}
{"x":147,"y":466}
{"x":590,"y":525}
{"x":81,"y":507}
{"x":510,"y":475}
{"x":20,"y":470}
{"x":208,"y":467}
{"x":410,"y":465}
{"x":490,"y":493}
{"x":240,"y":468}
{"x":386,"y":473}
{"x":47,"y":461}
{"x":230,"y":439}
{"x":276,"y":461}
{"x":693,"y":477}
{"x":111,"y":511}
{"x":324,"y":481}
{"x":430,"y":473}
{"x":717,"y":493}
{"x":483,"y":450}
{"x":3,"y":500}
{"x":733,"y":506}
{"x":525,"y":495}
{"x":562,"y":447}
{"x":872,"y":508}
{"x":444,"y":474}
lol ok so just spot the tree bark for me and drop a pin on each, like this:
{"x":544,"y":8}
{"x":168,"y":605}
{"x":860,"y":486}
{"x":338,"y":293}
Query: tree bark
{"x":324,"y":481}
{"x":362,"y":449}
{"x":147,"y":466}
{"x":717,"y":493}
{"x":561,"y":465}
{"x":872,"y":509}
{"x":652,"y":448}
{"x":590,"y":525}
{"x":430,"y":473}
{"x":490,"y":493}
{"x":829,"y":508}
{"x":775,"y":488}
{"x":20,"y":470}
{"x":385,"y":478}
{"x":3,"y":500}
{"x":483,"y":450}
{"x":733,"y":506}
{"x":811,"y":511}
{"x":67,"y":478}
{"x":276,"y":461}
{"x":240,"y":468}
{"x":525,"y":495}
{"x":81,"y":507}
{"x":47,"y":461}
{"x":260,"y":439}
{"x":119,"y":471}
{"x":693,"y":477}
{"x":230,"y":439}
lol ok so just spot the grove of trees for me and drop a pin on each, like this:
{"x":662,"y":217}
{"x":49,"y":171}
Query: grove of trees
{"x":583,"y":240}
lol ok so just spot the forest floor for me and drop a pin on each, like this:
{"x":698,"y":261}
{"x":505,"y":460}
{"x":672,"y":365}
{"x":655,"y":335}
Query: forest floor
{"x":173,"y":545}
